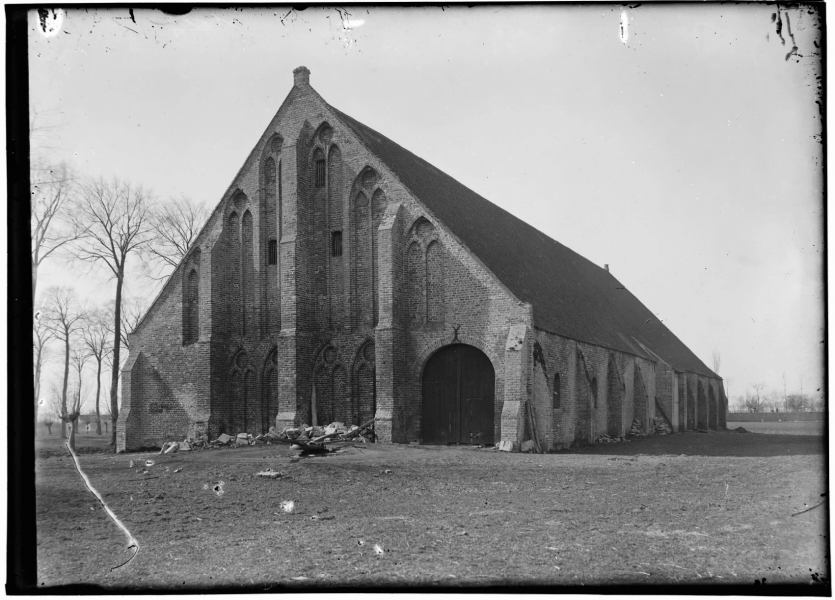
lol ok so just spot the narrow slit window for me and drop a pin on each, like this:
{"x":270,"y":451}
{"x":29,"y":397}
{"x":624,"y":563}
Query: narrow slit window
{"x":556,"y":392}
{"x":272,"y":253}
{"x":594,"y":392}
{"x":336,"y":243}
{"x":320,"y":173}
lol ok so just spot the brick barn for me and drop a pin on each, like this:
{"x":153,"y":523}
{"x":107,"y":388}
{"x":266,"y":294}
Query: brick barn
{"x":341,"y":274}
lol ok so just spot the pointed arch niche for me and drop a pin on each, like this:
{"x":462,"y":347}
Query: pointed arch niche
{"x":425,"y":265}
{"x":368,"y":204}
{"x":331,"y":387}
{"x":269,"y":390}
{"x":365,"y":384}
{"x":191,"y":298}
{"x":272,"y":223}
{"x":244,"y":408}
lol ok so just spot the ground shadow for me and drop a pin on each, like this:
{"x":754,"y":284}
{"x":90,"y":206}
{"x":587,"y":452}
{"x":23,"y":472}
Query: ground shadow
{"x":723,"y":443}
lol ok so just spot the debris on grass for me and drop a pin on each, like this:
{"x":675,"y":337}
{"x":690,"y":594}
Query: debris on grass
{"x":288,"y":506}
{"x":149,"y":463}
{"x":378,"y":549}
{"x":312,"y":440}
{"x":321,"y":518}
{"x":170,"y":448}
{"x":178,"y":470}
{"x":270,"y":474}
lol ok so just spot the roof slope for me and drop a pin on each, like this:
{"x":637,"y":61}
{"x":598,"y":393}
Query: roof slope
{"x":571,"y":296}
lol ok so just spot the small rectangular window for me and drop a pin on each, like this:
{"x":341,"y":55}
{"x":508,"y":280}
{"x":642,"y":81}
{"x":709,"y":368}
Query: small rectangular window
{"x":336,"y":243}
{"x":320,"y":173}
{"x":272,"y":255}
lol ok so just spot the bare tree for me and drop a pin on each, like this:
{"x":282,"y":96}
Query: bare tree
{"x":80,"y":356}
{"x":99,"y":344}
{"x":785,"y":393}
{"x":754,"y":402}
{"x":51,"y":228}
{"x":717,"y":361}
{"x":42,"y":335}
{"x":797,"y":403}
{"x":51,"y":409}
{"x":175,"y":223}
{"x":114,"y":218}
{"x":64,"y":317}
{"x":133,"y":309}
{"x":48,"y":422}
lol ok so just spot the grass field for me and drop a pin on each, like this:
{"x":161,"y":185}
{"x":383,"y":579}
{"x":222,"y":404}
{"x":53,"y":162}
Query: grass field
{"x":681,"y":509}
{"x":781,"y":427}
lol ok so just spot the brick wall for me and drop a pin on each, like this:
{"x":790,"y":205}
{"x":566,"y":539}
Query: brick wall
{"x":360,"y":325}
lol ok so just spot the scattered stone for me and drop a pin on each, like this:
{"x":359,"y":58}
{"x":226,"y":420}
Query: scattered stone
{"x":149,"y":463}
{"x":528,"y":446}
{"x":172,"y":447}
{"x":661,"y":427}
{"x":185,"y":446}
{"x":505,"y":446}
{"x":270,"y":474}
{"x":224,"y":439}
{"x":288,"y":506}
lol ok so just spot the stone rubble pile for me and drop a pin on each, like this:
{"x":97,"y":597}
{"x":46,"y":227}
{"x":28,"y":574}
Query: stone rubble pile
{"x":305,"y":436}
{"x":608,"y":439}
{"x":637,"y":428}
{"x":660,"y":426}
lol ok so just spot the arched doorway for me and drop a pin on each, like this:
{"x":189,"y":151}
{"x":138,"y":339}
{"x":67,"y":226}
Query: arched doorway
{"x":458,"y":397}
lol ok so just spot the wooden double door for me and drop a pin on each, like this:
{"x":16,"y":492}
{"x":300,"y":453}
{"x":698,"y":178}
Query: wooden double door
{"x":458,"y":397}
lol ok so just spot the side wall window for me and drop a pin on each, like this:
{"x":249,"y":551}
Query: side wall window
{"x":594,"y":392}
{"x":556,"y":392}
{"x":272,"y":253}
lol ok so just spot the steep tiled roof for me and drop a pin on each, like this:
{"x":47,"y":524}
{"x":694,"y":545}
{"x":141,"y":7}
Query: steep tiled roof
{"x":570,"y":295}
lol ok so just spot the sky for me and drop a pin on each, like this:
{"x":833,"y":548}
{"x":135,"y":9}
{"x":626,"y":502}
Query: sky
{"x":679,"y":144}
